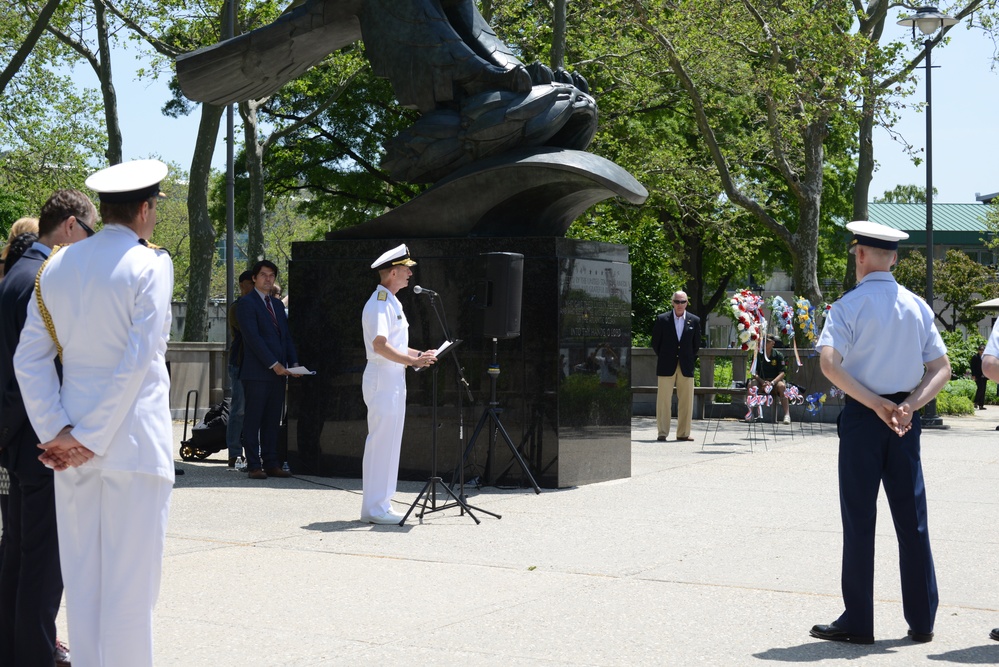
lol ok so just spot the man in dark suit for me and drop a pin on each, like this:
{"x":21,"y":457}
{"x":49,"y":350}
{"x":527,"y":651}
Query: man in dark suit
{"x":981,"y":381}
{"x":268,"y":353}
{"x":31,"y":581}
{"x":676,"y":339}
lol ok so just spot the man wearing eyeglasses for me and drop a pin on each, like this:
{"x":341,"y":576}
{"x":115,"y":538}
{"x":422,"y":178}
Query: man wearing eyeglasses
{"x":676,"y":339}
{"x":30,"y":581}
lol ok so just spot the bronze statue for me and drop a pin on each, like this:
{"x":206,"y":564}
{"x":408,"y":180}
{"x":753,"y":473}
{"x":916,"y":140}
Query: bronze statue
{"x":480,"y":107}
{"x":476,"y":98}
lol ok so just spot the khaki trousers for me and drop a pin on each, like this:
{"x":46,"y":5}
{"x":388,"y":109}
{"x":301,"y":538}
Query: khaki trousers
{"x":684,"y":403}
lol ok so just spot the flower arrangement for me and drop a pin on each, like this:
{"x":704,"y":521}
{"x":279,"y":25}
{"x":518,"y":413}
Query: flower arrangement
{"x":806,"y":318}
{"x":814,"y":402}
{"x":783,"y":315}
{"x":824,"y":314}
{"x":747,"y":311}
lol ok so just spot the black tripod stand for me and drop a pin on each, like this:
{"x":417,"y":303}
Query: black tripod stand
{"x":492,"y":414}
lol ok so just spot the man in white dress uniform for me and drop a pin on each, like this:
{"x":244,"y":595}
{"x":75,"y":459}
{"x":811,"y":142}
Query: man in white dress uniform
{"x":386,"y":343}
{"x":103,"y":305}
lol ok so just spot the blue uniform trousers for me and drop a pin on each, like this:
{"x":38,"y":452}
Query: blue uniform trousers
{"x":871,"y":454}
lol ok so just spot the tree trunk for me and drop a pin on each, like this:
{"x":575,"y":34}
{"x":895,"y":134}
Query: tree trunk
{"x":255,"y":167}
{"x":29,"y":43}
{"x":201,"y":229}
{"x":803,"y":247}
{"x":865,"y":173}
{"x":114,"y":150}
{"x":558,"y":34}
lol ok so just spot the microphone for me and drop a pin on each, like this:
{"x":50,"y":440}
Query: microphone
{"x":424,"y":290}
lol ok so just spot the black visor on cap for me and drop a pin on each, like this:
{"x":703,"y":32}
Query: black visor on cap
{"x":860,"y":239}
{"x":141,"y":194}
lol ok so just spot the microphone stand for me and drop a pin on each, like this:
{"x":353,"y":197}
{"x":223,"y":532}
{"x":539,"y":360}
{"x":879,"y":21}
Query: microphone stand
{"x":429,"y":491}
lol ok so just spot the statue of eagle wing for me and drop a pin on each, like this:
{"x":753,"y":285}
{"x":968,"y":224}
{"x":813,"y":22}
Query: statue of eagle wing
{"x":256,"y":64}
{"x":434,"y":52}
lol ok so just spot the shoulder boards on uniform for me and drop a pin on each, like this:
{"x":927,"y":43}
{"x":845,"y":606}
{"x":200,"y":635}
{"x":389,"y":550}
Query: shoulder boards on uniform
{"x":382,"y":296}
{"x":153,"y":246}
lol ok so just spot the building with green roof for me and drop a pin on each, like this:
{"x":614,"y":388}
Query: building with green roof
{"x":958,"y":226}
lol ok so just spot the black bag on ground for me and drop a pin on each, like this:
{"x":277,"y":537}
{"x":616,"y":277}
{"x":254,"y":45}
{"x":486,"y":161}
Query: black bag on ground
{"x":210,"y":432}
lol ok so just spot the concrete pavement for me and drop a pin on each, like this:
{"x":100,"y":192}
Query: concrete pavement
{"x":713,"y":557}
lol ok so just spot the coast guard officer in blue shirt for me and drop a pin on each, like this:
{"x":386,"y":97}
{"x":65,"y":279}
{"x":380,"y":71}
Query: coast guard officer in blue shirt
{"x":876,"y":342}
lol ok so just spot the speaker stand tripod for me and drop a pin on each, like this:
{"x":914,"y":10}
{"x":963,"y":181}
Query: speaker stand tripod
{"x":491,"y":414}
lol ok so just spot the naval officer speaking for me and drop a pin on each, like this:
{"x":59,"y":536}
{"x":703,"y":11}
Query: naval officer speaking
{"x":876,"y":342}
{"x":386,"y":344}
{"x":103,"y":305}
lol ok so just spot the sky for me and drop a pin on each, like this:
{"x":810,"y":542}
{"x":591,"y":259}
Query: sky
{"x":965,"y":132}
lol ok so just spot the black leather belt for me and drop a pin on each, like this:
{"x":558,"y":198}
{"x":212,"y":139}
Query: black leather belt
{"x":897,"y":397}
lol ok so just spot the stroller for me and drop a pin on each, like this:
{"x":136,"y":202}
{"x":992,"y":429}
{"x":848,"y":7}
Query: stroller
{"x":207,"y":437}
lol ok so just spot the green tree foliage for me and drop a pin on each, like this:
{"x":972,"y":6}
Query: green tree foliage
{"x":49,"y":131}
{"x":326,"y":155}
{"x":959,"y":282}
{"x":905,"y":194}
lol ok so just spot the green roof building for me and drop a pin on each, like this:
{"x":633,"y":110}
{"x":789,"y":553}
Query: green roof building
{"x":960,"y":226}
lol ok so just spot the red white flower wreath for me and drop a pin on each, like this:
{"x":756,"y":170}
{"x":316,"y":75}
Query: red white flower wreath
{"x":747,"y":311}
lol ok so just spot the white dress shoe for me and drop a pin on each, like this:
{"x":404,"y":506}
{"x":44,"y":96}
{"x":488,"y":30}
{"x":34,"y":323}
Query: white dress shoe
{"x":390,"y":518}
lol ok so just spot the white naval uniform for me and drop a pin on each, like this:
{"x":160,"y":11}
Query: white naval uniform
{"x":384,"y":389}
{"x":109,"y":299}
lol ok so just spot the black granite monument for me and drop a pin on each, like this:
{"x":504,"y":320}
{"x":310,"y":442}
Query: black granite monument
{"x":565,"y":397}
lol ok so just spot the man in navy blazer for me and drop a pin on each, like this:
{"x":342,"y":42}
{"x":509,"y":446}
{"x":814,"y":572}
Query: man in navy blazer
{"x":676,"y":339}
{"x":268,"y":353}
{"x":31,"y":580}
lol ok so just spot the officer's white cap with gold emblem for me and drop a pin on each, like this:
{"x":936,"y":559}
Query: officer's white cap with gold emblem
{"x":136,"y":180}
{"x":398,"y":256}
{"x":875,"y":235}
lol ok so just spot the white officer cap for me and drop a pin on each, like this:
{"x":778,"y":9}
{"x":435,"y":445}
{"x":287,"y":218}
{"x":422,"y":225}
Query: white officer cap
{"x":132,"y":181}
{"x":395,"y":257}
{"x":875,"y":235}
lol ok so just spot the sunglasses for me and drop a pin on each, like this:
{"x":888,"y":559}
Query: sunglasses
{"x":86,"y":228}
{"x":678,"y":301}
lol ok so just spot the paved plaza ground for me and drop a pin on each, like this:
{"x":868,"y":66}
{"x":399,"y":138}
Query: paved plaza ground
{"x":713,"y":556}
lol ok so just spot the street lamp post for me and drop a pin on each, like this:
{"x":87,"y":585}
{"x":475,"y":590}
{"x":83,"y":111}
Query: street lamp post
{"x":929,"y":20}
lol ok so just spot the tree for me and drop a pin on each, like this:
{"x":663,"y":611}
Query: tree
{"x":48,"y":134}
{"x":344,"y":68}
{"x":74,"y":27}
{"x":182,"y":27}
{"x":24,"y":49}
{"x":783,"y":70}
{"x":905,"y":194}
{"x":886,"y":75}
{"x":958,"y":281}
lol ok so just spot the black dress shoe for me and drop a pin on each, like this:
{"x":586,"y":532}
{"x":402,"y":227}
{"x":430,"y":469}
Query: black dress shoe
{"x":994,"y":634}
{"x":834,"y":634}
{"x":921,"y":637}
{"x":662,"y":438}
